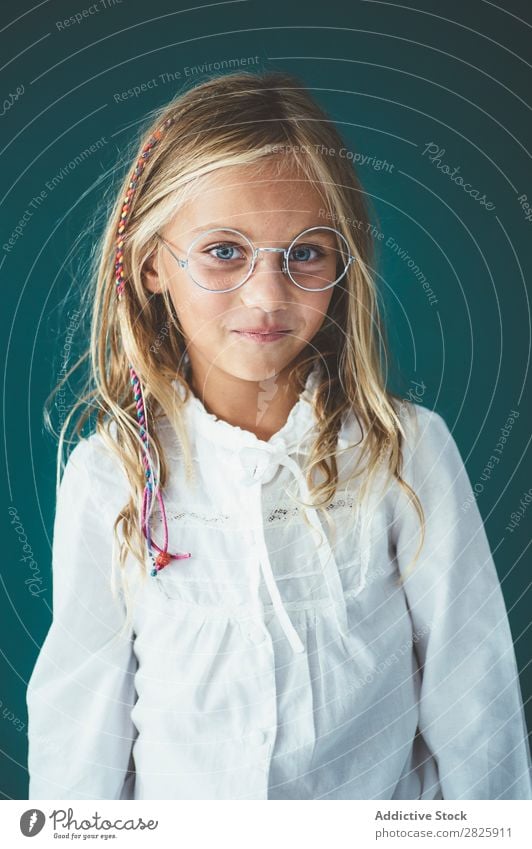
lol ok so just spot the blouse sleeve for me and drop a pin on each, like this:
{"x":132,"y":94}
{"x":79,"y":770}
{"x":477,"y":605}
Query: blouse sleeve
{"x":82,"y":690}
{"x":471,"y":713}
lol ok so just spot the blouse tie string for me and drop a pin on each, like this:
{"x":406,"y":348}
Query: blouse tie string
{"x":260,"y":465}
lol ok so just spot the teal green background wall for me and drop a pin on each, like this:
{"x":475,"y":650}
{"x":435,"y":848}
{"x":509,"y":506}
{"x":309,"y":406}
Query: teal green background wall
{"x":395,"y":79}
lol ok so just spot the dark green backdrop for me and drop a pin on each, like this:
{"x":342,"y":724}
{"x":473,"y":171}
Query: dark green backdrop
{"x":396,"y":79}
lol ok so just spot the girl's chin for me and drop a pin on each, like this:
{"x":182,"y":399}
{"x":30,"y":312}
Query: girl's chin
{"x":255,"y":372}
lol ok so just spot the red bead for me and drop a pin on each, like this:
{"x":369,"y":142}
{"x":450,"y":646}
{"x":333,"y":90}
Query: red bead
{"x":162,"y":559}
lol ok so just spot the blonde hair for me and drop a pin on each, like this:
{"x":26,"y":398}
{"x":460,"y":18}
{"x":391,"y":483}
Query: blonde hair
{"x":236,"y":119}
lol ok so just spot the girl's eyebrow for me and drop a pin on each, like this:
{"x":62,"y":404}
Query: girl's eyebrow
{"x":213,"y":226}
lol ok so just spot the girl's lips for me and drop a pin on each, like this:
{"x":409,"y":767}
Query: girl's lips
{"x":262,"y":337}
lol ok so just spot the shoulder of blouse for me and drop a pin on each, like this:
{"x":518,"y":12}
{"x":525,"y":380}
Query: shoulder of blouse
{"x":429,"y":446}
{"x":420,"y":424}
{"x":433,"y":463}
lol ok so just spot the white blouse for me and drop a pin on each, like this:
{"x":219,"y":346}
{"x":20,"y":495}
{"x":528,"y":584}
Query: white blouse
{"x":268,"y":666}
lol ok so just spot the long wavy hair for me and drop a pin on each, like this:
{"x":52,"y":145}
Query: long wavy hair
{"x":235,"y":119}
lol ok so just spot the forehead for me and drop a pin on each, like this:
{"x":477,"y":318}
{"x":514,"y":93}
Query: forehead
{"x":260,"y":199}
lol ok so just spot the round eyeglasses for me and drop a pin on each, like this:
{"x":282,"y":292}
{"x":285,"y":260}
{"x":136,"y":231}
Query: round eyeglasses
{"x":222,"y":259}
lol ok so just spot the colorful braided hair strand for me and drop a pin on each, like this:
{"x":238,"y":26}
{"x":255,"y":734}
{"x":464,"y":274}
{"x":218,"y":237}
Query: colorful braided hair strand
{"x":163,"y":557}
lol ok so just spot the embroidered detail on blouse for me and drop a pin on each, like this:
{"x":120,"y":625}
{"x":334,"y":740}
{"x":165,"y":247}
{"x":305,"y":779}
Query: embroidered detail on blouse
{"x":281,"y":514}
{"x":201,"y":518}
{"x":278,"y":515}
{"x":348,"y":501}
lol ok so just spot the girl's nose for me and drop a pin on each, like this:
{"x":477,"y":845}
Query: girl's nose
{"x":269,"y":280}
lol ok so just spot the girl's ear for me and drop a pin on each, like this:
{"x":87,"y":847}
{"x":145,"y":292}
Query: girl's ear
{"x":150,"y":275}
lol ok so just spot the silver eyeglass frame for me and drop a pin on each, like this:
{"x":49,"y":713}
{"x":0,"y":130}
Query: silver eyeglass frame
{"x":184,"y":263}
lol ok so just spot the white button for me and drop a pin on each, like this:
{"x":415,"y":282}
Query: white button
{"x":257,"y":738}
{"x":255,"y":634}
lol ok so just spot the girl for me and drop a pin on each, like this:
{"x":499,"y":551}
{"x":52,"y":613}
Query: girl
{"x":265,"y":585}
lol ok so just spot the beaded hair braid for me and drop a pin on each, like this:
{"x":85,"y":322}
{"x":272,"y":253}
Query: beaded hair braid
{"x":163,"y":557}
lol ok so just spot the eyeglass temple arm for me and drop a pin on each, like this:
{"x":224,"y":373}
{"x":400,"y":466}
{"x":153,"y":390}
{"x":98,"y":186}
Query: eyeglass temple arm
{"x":182,"y":262}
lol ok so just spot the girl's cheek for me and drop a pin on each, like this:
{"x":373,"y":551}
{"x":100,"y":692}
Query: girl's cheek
{"x":206,"y":321}
{"x":315,"y":314}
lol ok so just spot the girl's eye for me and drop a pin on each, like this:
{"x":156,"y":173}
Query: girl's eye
{"x":305,"y":253}
{"x":226,"y":252}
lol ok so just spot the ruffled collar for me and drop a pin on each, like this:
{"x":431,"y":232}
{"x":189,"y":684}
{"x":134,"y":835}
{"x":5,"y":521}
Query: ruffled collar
{"x":298,"y":426}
